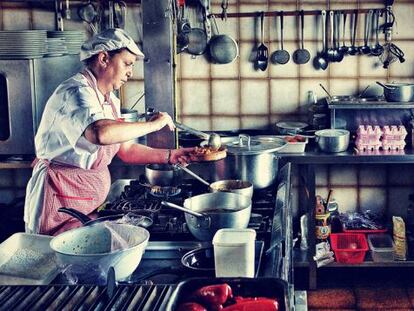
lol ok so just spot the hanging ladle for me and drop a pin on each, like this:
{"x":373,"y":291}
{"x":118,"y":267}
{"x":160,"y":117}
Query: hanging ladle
{"x":214,"y":140}
{"x":320,"y":61}
{"x":344,"y":48}
{"x":353,"y":50}
{"x":377,"y":49}
{"x":365,"y":49}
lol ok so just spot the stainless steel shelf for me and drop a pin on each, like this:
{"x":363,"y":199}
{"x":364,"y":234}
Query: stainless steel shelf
{"x":370,"y":105}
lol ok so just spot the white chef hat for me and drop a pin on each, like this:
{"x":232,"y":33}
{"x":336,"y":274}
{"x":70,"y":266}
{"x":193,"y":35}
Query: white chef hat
{"x":109,"y":40}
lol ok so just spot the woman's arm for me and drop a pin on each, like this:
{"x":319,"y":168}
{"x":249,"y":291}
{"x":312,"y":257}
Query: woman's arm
{"x":107,"y":132}
{"x":140,"y":154}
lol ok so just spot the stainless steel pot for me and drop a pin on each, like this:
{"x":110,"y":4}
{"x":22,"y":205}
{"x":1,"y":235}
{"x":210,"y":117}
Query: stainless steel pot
{"x":332,"y":140}
{"x":162,"y":174}
{"x":398,"y":92}
{"x":207,"y":213}
{"x":250,"y":159}
{"x":92,"y":247}
{"x":242,"y":187}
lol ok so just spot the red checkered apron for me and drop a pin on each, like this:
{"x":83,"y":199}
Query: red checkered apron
{"x":81,"y":189}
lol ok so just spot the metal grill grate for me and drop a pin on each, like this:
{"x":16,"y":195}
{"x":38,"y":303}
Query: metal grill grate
{"x":76,"y":297}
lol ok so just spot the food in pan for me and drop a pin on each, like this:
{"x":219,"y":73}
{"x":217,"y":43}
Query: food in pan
{"x":207,"y":154}
{"x":220,"y":297}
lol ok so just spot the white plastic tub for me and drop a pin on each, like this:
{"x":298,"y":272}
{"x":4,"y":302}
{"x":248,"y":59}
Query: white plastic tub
{"x":27,"y":259}
{"x":234,"y":252}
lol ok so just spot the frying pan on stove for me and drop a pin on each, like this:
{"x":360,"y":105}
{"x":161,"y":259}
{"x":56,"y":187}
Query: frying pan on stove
{"x":138,"y":220}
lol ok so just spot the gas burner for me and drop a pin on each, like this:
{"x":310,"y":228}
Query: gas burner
{"x":134,"y":205}
{"x":170,"y":224}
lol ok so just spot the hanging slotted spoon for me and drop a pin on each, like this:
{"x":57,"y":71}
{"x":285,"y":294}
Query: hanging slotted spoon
{"x":262,"y":51}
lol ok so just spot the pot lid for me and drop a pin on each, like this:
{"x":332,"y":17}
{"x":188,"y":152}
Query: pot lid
{"x":246,"y":145}
{"x":291,"y":125}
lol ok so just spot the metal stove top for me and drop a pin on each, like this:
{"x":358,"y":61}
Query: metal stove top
{"x":131,"y":195}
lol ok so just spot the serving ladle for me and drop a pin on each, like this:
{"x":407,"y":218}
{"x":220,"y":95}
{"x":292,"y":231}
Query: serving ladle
{"x":214,"y":140}
{"x":365,"y":49}
{"x":343,"y":49}
{"x":353,"y":50}
{"x":321,"y":61}
{"x":377,"y":49}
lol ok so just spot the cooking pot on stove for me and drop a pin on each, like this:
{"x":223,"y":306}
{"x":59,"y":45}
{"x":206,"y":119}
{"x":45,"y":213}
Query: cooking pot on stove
{"x":251,"y":159}
{"x":162,"y":174}
{"x":209,"y":212}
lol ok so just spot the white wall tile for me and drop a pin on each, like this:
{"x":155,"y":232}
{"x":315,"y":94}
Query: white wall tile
{"x":372,"y":175}
{"x":222,"y":123}
{"x":194,"y":66}
{"x":398,"y":201}
{"x":321,"y":175}
{"x":346,"y":199}
{"x":254,"y":122}
{"x":226,"y":70}
{"x":225,"y":97}
{"x":199,"y":123}
{"x":284,"y":99}
{"x":254,"y":95}
{"x":195,"y":96}
{"x":131,"y":92}
{"x":373,"y":199}
{"x":401,"y":174}
{"x":404,"y":23}
{"x":343,"y":175}
{"x":405,"y":69}
{"x":343,"y":86}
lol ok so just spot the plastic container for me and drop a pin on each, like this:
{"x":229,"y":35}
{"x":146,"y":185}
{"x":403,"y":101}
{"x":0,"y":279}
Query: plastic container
{"x":382,"y":247}
{"x":234,"y":252}
{"x":293,"y":146}
{"x":27,"y":259}
{"x":349,"y":248}
{"x":246,"y":287}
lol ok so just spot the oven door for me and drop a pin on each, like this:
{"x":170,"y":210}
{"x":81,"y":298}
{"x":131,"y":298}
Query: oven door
{"x":25,"y":86}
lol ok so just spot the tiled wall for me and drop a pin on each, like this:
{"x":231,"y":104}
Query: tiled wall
{"x":224,"y":97}
{"x":232,"y":96}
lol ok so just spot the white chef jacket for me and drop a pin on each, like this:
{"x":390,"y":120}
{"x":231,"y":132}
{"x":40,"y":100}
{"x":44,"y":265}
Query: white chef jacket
{"x":73,"y":106}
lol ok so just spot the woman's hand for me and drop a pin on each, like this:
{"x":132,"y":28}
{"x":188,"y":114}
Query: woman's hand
{"x":181,"y":155}
{"x":162,"y":119}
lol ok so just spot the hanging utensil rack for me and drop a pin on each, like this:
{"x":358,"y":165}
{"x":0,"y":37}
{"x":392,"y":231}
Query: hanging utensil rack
{"x":294,"y":13}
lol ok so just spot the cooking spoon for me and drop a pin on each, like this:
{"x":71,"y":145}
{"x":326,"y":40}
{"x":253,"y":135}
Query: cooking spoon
{"x":353,"y":50}
{"x":301,"y":56}
{"x":377,"y":49}
{"x":320,"y":60}
{"x":262,"y":51}
{"x":214,"y":140}
{"x":280,"y":56}
{"x":338,"y":55}
{"x":183,"y":209}
{"x":365,"y":49}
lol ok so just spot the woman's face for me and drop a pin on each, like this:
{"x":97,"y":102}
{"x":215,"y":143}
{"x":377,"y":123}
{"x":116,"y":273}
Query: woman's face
{"x":118,"y":69}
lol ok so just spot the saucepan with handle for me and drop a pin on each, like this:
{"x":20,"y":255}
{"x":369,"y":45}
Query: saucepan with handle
{"x":209,"y":212}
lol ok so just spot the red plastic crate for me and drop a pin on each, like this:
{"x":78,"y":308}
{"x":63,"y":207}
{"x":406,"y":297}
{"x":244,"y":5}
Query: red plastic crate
{"x":349,"y":247}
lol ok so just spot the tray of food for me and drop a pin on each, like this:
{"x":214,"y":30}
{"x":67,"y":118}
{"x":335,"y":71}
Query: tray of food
{"x":230,"y":294}
{"x":206,"y":153}
{"x":27,"y":259}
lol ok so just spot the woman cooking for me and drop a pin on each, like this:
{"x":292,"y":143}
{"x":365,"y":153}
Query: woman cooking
{"x":80,"y":133}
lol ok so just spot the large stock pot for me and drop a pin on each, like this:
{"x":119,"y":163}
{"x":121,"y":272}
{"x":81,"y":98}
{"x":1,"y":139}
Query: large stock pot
{"x":250,"y":158}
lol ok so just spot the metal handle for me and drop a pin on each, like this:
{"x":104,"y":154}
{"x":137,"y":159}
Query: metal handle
{"x":244,"y":137}
{"x":183,"y":209}
{"x":191,"y":130}
{"x":75,"y":213}
{"x":190,"y":172}
{"x":323,"y":30}
{"x":386,"y":87}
